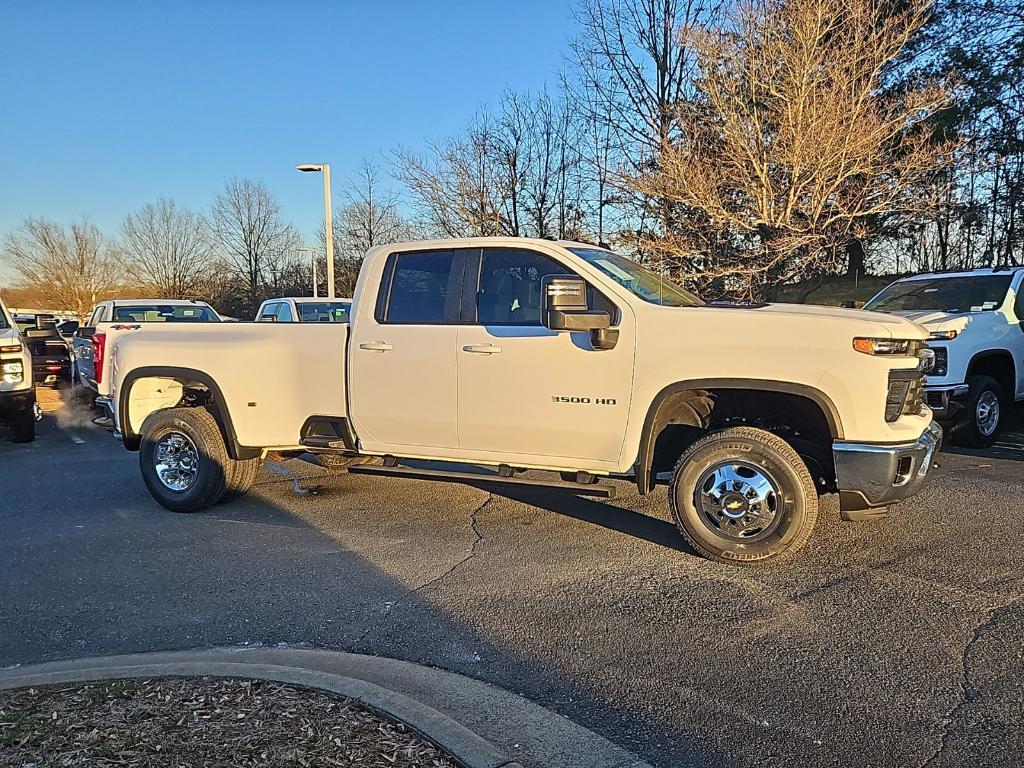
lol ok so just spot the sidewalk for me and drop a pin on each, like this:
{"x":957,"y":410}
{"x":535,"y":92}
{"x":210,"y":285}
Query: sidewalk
{"x":479,"y":724}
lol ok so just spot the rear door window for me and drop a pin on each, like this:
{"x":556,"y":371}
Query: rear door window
{"x":420,"y":288}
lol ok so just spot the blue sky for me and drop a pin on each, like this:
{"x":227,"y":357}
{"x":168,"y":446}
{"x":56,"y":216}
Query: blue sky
{"x":109,"y":105}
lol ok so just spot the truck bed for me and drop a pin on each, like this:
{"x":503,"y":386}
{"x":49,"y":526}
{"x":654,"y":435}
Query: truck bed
{"x":271,"y":377}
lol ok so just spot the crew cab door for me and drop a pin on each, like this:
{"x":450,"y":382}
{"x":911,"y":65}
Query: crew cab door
{"x":402,"y":380}
{"x":526,"y":390}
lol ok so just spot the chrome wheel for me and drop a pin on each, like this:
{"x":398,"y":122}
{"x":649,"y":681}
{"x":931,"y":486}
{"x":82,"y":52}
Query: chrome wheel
{"x":986,"y":412}
{"x":739,"y":500}
{"x":176,"y":461}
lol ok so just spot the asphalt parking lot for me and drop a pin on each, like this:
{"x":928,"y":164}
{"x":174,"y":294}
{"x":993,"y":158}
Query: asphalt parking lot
{"x":891,"y":643}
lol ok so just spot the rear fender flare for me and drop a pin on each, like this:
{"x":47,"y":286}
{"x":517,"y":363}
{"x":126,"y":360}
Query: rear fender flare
{"x":219,"y":410}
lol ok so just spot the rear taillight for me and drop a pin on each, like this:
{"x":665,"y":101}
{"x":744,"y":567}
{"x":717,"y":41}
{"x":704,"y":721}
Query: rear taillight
{"x":99,"y":351}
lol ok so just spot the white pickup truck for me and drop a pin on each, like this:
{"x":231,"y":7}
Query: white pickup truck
{"x":111,"y":319}
{"x":18,"y":407}
{"x":517,"y":354}
{"x":976,"y":330}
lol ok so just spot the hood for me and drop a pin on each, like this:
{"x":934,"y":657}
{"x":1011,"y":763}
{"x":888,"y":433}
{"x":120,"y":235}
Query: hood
{"x":935,"y":320}
{"x":890,"y":325}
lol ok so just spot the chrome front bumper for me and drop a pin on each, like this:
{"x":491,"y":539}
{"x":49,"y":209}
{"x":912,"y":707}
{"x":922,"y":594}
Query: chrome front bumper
{"x":871,"y":476}
{"x":944,"y":400}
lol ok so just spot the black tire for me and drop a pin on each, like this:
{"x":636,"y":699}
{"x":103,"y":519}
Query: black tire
{"x":338,"y":462}
{"x":758,"y":528}
{"x":212,"y":463}
{"x":23,"y":426}
{"x":240,"y":477}
{"x":970,"y":430}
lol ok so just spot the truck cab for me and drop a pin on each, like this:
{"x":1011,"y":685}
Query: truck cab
{"x":563,"y":357}
{"x":975,"y":321}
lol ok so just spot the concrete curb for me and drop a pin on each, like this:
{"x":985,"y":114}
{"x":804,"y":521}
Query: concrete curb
{"x":551,"y":740}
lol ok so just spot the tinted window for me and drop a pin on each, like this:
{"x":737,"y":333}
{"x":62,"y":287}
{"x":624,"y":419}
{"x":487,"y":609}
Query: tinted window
{"x":510,"y":288}
{"x":509,"y":291}
{"x":979,"y":293}
{"x":165,"y":313}
{"x":419,"y":287}
{"x":323,"y":311}
{"x":284,"y":313}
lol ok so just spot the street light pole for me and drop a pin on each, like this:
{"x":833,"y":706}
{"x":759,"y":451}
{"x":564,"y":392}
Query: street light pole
{"x":325,"y":169}
{"x":312,"y":258}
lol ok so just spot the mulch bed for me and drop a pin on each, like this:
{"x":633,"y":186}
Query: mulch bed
{"x":201,"y":722}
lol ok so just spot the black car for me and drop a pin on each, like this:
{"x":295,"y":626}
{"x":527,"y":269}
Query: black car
{"x":51,"y":358}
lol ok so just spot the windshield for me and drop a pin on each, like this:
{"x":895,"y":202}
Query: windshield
{"x":980,"y":293}
{"x":640,"y":281}
{"x":165,"y":313}
{"x":323,"y":311}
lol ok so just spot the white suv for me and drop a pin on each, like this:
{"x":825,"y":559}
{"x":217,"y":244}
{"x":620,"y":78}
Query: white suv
{"x":976,"y":322}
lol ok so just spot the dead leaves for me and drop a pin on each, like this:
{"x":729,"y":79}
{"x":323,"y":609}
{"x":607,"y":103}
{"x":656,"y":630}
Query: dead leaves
{"x":209,"y":722}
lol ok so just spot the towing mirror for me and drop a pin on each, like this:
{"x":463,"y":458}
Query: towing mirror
{"x":269,"y":318}
{"x":565,"y":309}
{"x":85,"y":332}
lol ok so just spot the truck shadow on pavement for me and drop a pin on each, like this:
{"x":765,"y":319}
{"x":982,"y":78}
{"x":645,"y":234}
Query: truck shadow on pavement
{"x":594,"y":611}
{"x":619,"y":519}
{"x":113,"y":572}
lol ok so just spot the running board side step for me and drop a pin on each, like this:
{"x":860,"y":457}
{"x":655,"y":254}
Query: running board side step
{"x":477,"y":478}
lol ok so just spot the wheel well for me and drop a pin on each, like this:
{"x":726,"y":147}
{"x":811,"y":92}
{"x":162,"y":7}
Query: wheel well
{"x":999,"y":365}
{"x":688,"y":414}
{"x":146,"y":394}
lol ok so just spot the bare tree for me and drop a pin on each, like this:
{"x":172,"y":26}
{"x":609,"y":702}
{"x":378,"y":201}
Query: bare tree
{"x":791,"y":146}
{"x":68,"y":268}
{"x":246,"y":220}
{"x":631,"y":73}
{"x":368,"y":218}
{"x":168,"y":249}
{"x":456,"y":189}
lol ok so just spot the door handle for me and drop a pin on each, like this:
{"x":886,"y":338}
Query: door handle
{"x":481,"y":349}
{"x":376,"y":346}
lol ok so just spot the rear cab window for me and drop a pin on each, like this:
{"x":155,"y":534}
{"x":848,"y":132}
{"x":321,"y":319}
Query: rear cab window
{"x":164,"y":313}
{"x":419,"y":288}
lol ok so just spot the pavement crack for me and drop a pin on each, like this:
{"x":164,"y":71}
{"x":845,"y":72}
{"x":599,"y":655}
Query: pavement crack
{"x":470,"y":554}
{"x":968,"y":691}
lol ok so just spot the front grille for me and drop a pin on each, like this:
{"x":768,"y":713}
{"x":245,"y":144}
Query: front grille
{"x":905,"y":395}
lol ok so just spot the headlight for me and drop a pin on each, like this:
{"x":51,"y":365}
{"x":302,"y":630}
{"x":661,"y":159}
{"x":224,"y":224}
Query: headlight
{"x":944,"y":335}
{"x":900,"y":347}
{"x":12,"y":373}
{"x":941,"y":366}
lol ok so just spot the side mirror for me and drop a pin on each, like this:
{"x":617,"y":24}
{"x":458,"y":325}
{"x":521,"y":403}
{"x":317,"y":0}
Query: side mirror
{"x":85,"y":332}
{"x":268,"y":318}
{"x":565,"y":309}
{"x":848,"y":304}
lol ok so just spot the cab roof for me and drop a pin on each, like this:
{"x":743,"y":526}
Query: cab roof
{"x":982,"y":272}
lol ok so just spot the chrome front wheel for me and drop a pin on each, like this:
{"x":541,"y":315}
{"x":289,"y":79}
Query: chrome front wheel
{"x":739,"y":500}
{"x":176,"y":461}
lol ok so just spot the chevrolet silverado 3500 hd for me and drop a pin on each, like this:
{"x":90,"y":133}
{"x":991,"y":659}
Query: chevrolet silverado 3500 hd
{"x":533,"y":354}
